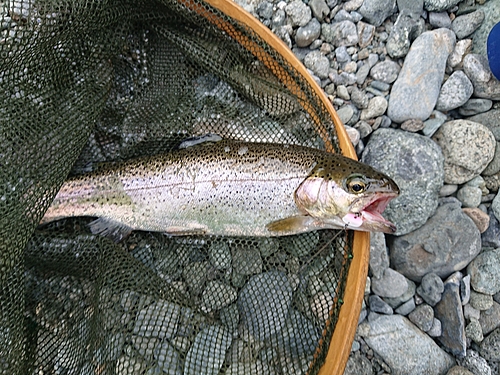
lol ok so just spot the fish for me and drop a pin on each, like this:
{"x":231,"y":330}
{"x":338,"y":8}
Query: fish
{"x":225,"y":187}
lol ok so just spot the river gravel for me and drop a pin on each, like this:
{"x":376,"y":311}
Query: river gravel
{"x":411,"y":82}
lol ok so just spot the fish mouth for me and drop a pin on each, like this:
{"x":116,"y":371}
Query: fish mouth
{"x":369,"y":217}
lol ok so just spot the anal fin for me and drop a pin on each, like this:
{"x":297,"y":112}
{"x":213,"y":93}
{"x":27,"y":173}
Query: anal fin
{"x":112,"y":229}
{"x":292,"y":225}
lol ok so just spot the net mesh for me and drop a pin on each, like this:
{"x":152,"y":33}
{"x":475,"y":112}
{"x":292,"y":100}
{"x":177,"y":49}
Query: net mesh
{"x":86,"y":82}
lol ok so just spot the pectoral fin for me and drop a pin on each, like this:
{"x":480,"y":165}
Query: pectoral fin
{"x":112,"y":229}
{"x":292,"y":225}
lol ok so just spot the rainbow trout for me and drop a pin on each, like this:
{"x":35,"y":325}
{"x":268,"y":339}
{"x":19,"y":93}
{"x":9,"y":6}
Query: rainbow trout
{"x":230,"y":188}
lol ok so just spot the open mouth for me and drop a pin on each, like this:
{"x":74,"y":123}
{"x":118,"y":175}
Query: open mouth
{"x":372,"y":213}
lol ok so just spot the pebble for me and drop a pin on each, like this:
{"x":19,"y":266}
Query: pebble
{"x":414,"y":7}
{"x":431,"y":288}
{"x":379,"y":257}
{"x":220,"y":255}
{"x":473,"y":331}
{"x":485,"y":84}
{"x":491,"y":236}
{"x":447,"y":242}
{"x":490,"y":318}
{"x":406,"y":307}
{"x":339,"y":34}
{"x":358,"y":364}
{"x":247,"y":261}
{"x":468,"y":147}
{"x":218,"y":295}
{"x":319,"y":9}
{"x":365,"y":34}
{"x":462,"y":48}
{"x":471,"y":313}
{"x":264,"y":303}
{"x":420,"y":78}
{"x":465,"y":25}
{"x":422,"y":317}
{"x":465,"y":289}
{"x":475,"y":363}
{"x":385,"y":71}
{"x":318,"y":63}
{"x":413,"y":125}
{"x":439,"y":5}
{"x":484,"y":271}
{"x":299,"y":14}
{"x":392,"y":284}
{"x":433,"y":124}
{"x":449,"y":312}
{"x":404,"y":31}
{"x":436,"y":329}
{"x":376,"y":107}
{"x":494,"y":166}
{"x":375,"y":12}
{"x":481,"y":301}
{"x":415,"y":163}
{"x":307,"y":34}
{"x":490,"y":347}
{"x":439,"y":19}
{"x":455,"y":92}
{"x":378,"y":305}
{"x":470,"y":196}
{"x":402,"y":345}
{"x":475,"y":106}
{"x":159,"y":319}
{"x":490,"y":120}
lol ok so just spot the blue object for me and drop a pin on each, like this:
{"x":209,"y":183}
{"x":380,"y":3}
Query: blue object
{"x":493,"y":47}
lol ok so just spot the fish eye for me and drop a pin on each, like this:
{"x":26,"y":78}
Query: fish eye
{"x":356,"y":184}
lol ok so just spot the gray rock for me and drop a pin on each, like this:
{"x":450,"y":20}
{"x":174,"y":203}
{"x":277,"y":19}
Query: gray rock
{"x":392,"y":284}
{"x":481,"y":301}
{"x":247,"y":261}
{"x":449,"y":312}
{"x":358,"y":364}
{"x":159,"y":319}
{"x":318,"y":63}
{"x":413,"y":125}
{"x":169,"y":359}
{"x":378,"y":305}
{"x":447,"y":242}
{"x":421,"y":76}
{"x":230,"y":317}
{"x":439,"y":19}
{"x":491,"y":237}
{"x":264,"y":303}
{"x":448,"y":190}
{"x":494,"y":166}
{"x":436,"y":329}
{"x":365,"y":34}
{"x":376,"y":107}
{"x":397,"y":301}
{"x":422,"y":317}
{"x":484,"y":272}
{"x":468,"y":148}
{"x":307,"y":34}
{"x":362,"y":73}
{"x":475,"y":363}
{"x":379,"y":257}
{"x":265,"y":10}
{"x":402,"y":346}
{"x":341,"y":33}
{"x":406,"y":307}
{"x":206,"y":355}
{"x":491,"y":10}
{"x":462,"y":48}
{"x":298,"y":13}
{"x":465,"y":289}
{"x":359,"y":98}
{"x":454,"y":92}
{"x":495,"y":206}
{"x":473,"y":331}
{"x":414,"y":7}
{"x":490,"y":347}
{"x":490,"y":120}
{"x":490,"y":319}
{"x":475,"y":106}
{"x":220,"y":255}
{"x":375,"y":12}
{"x":218,"y":295}
{"x":471,"y":313}
{"x":278,"y":19}
{"x":319,"y":9}
{"x":385,"y":71}
{"x":343,"y":15}
{"x":346,"y":113}
{"x":485,"y":84}
{"x":415,"y":163}
{"x":432,"y":125}
{"x":439,"y":5}
{"x":431,"y":288}
{"x":470,"y":196}
{"x":405,"y":30}
{"x":465,"y":25}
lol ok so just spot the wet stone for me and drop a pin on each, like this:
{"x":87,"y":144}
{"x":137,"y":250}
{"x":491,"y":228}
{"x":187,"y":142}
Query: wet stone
{"x":159,"y":319}
{"x":247,"y":261}
{"x":218,"y":295}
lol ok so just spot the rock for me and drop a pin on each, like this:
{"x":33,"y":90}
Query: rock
{"x":447,"y":242}
{"x":439,"y":5}
{"x":247,"y":261}
{"x":485,"y":272}
{"x":195,"y":275}
{"x":415,"y":7}
{"x":358,"y":364}
{"x":307,"y":34}
{"x":169,"y":360}
{"x":475,"y":363}
{"x":439,"y":19}
{"x":479,"y":217}
{"x":404,"y":31}
{"x":414,"y":162}
{"x":218,"y":295}
{"x":448,"y":190}
{"x":490,"y":318}
{"x":494,"y":166}
{"x":422,"y":317}
{"x":402,"y":346}
{"x":220,"y":255}
{"x":229,"y":317}
{"x":436,"y":329}
{"x":397,"y":301}
{"x":470,"y":196}
{"x":249,"y":368}
{"x":376,"y":107}
{"x":421,"y":76}
{"x":495,"y":206}
{"x":318,"y":63}
{"x":406,"y":307}
{"x":473,"y":331}
{"x":471,"y":313}
{"x":319,"y":9}
{"x":431,"y":288}
{"x":385,"y":71}
{"x":454,"y":92}
{"x":449,"y":312}
{"x":434,"y":123}
{"x":465,"y":289}
{"x":392,"y":284}
{"x":485,"y":84}
{"x":459,"y":370}
{"x":359,"y":98}
{"x":206,"y":355}
{"x":339,"y":34}
{"x":378,"y":305}
{"x":490,"y":120}
{"x":475,"y":106}
{"x":159,"y":319}
{"x":379,"y":258}
{"x":490,"y":347}
{"x":462,"y":48}
{"x":468,"y":147}
{"x":412,"y":125}
{"x":376,"y":11}
{"x":299,"y":14}
{"x":465,"y":25}
{"x":365,"y":34}
{"x":491,"y":236}
{"x":264,"y":303}
{"x":481,"y":301}
{"x":265,"y":10}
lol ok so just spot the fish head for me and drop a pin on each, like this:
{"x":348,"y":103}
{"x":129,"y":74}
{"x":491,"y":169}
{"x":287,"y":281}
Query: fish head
{"x":342,"y":192}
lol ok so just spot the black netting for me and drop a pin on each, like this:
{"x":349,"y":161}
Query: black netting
{"x":91,"y":82}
